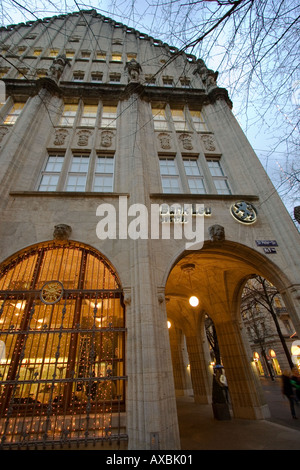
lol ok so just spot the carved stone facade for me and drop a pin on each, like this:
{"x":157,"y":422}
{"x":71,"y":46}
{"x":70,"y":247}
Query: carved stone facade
{"x":142,"y":145}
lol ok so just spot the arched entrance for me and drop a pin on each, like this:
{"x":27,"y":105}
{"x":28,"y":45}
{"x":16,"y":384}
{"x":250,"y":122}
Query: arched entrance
{"x":216,"y":275}
{"x":62,"y":347}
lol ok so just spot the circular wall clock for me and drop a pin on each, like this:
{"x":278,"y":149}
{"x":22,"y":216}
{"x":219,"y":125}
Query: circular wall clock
{"x":51,"y":292}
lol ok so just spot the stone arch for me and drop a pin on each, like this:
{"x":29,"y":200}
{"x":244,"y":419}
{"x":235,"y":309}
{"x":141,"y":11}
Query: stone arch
{"x":216,"y":274}
{"x":63,"y":326}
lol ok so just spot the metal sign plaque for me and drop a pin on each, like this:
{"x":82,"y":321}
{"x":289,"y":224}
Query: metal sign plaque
{"x":244,"y":212}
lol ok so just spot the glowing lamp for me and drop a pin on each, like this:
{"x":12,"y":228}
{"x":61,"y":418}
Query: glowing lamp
{"x":194,"y":301}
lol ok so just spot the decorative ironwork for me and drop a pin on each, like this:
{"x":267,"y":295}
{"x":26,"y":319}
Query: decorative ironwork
{"x":62,"y":374}
{"x":52,"y":292}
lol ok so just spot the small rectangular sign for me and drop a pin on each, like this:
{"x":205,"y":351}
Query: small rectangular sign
{"x":266,"y":242}
{"x":269,"y":250}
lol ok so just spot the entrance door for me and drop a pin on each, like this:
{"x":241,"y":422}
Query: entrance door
{"x":62,"y":348}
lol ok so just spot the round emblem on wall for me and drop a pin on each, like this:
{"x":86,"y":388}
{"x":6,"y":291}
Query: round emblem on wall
{"x":51,"y":292}
{"x":244,"y":212}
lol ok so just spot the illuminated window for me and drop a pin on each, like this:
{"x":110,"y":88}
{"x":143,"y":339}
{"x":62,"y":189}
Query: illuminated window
{"x":3,"y":71}
{"x":53,"y":52}
{"x":195,"y":179}
{"x":198,"y":121}
{"x":51,"y":173}
{"x":159,"y":119}
{"x":220,"y":179}
{"x":14,"y":113}
{"x":101,"y":56}
{"x":62,"y":334}
{"x":41,"y":73}
{"x":179,"y":119}
{"x":68,"y":115}
{"x":131,"y":57}
{"x":104,"y":174}
{"x":89,"y":115}
{"x":169,"y":175}
{"x":21,"y":50}
{"x":37,"y":52}
{"x":70,"y":54}
{"x":116,"y":57}
{"x":109,"y":116}
{"x":77,"y":175}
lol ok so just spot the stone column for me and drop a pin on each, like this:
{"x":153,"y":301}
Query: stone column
{"x":179,"y":371}
{"x":152,"y":421}
{"x":244,"y":387}
{"x":197,"y":367}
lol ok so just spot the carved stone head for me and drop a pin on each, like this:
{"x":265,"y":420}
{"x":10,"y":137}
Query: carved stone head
{"x":62,"y":232}
{"x":216,"y":233}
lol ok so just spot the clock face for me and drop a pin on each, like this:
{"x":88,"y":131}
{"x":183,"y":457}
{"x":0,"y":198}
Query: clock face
{"x":51,"y":292}
{"x":244,"y":212}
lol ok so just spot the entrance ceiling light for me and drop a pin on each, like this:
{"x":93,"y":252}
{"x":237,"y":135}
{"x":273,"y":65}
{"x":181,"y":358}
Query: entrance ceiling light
{"x":194,"y":301}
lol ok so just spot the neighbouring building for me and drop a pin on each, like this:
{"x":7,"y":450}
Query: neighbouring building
{"x":127,"y":187}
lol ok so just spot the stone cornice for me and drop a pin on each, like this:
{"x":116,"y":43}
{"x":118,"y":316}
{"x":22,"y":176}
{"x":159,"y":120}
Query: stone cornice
{"x":115,"y":92}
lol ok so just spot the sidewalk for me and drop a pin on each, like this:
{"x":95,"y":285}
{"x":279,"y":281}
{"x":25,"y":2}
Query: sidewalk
{"x":200,"y":431}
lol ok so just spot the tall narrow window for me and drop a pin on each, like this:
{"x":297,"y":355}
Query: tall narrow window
{"x":51,"y":173}
{"x":179,"y":119}
{"x":195,"y":179}
{"x":109,"y":116}
{"x":169,"y":175}
{"x":159,"y":119}
{"x":104,"y":174}
{"x":77,"y":176}
{"x":198,"y":121}
{"x":14,"y":113}
{"x":220,"y":179}
{"x":89,"y":115}
{"x":68,"y":115}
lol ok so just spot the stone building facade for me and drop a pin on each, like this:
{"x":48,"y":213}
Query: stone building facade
{"x":127,"y":186}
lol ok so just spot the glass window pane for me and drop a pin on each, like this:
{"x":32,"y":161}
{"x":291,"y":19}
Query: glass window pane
{"x":49,"y":183}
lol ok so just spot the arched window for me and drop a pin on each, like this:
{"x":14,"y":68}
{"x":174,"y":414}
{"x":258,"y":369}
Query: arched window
{"x":62,"y":345}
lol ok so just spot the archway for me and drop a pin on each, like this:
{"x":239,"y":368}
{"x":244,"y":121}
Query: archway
{"x":216,"y":275}
{"x":62,"y":330}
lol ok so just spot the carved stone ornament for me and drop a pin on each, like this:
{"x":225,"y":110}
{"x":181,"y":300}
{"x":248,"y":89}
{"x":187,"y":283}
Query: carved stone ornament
{"x":208,"y":142}
{"x":244,"y":212}
{"x":83,"y":137}
{"x":57,"y":67}
{"x":186,"y":140}
{"x":164,"y":140}
{"x":60,"y":136}
{"x":3,"y":132}
{"x":208,"y":77}
{"x":134,"y":69}
{"x":106,"y":138}
{"x":62,"y":232}
{"x":216,"y":233}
